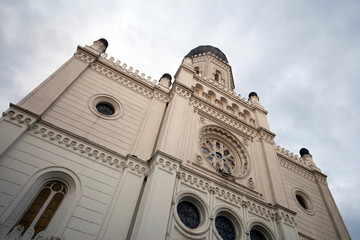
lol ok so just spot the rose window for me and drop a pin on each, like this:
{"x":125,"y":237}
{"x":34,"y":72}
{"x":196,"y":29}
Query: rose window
{"x":219,"y":155}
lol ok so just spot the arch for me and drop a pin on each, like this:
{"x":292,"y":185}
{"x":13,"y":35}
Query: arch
{"x":231,"y":214}
{"x":198,"y":90}
{"x":32,"y":189}
{"x":201,"y":205}
{"x":247,"y":116}
{"x":211,"y":96}
{"x":223,"y":102}
{"x":236,"y":109}
{"x":261,"y":227}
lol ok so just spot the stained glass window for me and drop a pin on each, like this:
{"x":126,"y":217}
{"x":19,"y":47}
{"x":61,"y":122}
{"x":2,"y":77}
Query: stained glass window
{"x":44,"y":207}
{"x":188,"y":214}
{"x":225,"y":228}
{"x":217,"y":153}
{"x":256,"y":235}
{"x":105,"y":108}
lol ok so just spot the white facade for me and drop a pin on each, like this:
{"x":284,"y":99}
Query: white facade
{"x":125,"y":174}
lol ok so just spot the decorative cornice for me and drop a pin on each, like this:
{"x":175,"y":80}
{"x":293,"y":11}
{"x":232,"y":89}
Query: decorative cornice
{"x":87,"y":150}
{"x":302,"y":171}
{"x":84,"y":55}
{"x":260,"y":209}
{"x":118,"y":77}
{"x":20,"y":117}
{"x":181,"y":90}
{"x":266,"y":135}
{"x":165,"y":162}
{"x":214,"y":59}
{"x":121,"y":74}
{"x":161,"y":96}
{"x":223,"y":117}
{"x":285,"y":217}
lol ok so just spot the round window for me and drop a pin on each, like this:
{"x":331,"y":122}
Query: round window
{"x":256,"y":235}
{"x":105,"y":106}
{"x":219,"y":155}
{"x":188,"y":214}
{"x":303,"y":201}
{"x":225,"y":228}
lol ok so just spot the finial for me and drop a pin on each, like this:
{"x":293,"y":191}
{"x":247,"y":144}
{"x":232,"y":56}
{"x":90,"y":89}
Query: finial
{"x":100,"y":45}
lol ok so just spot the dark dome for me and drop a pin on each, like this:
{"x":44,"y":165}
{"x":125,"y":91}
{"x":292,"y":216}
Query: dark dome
{"x":205,"y":49}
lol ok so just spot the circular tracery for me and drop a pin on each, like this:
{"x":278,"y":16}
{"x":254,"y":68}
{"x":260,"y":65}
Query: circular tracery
{"x":219,"y":155}
{"x":224,"y":152}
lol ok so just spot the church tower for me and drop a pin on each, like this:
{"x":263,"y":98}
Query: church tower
{"x":99,"y":151}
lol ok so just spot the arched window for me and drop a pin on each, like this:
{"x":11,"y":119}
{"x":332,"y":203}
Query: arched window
{"x":40,"y":210}
{"x":256,"y":235}
{"x":44,"y":206}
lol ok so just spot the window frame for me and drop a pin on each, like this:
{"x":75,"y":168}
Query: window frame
{"x":30,"y":190}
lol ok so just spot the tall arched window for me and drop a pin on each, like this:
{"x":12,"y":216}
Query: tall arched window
{"x":44,"y":206}
{"x":40,"y":210}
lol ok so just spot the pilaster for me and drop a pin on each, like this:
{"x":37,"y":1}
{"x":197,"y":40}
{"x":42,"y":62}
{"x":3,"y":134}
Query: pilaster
{"x":121,"y":211}
{"x":152,"y":218}
{"x":13,"y":124}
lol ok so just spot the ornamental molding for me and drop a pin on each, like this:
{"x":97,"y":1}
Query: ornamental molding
{"x":237,"y":98}
{"x":121,"y":74}
{"x":88,"y":150}
{"x":19,"y":117}
{"x":301,"y":170}
{"x":233,"y":164}
{"x":84,"y":56}
{"x":282,"y":216}
{"x":213,"y":58}
{"x":266,"y":136}
{"x":118,"y":77}
{"x":259,"y":209}
{"x":208,"y":110}
{"x":161,"y":96}
{"x":182,"y":91}
{"x":164,"y":162}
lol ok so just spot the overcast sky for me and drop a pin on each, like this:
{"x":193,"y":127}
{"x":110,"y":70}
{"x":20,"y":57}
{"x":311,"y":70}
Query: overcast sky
{"x":301,"y":57}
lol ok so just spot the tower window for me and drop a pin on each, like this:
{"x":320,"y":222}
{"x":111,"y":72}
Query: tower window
{"x":225,"y":228}
{"x":188,"y":214}
{"x":217,"y":76}
{"x":197,"y":71}
{"x":43,"y":208}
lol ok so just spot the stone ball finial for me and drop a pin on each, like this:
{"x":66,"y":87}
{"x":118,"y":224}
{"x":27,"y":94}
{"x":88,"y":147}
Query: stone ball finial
{"x":165,"y":80}
{"x":166,"y":75}
{"x":253,"y":94}
{"x":303,"y":151}
{"x":104,"y":41}
{"x":100,"y":45}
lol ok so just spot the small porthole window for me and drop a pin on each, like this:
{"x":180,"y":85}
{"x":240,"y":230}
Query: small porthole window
{"x":225,"y":228}
{"x":301,"y":201}
{"x":105,"y":108}
{"x":188,"y":214}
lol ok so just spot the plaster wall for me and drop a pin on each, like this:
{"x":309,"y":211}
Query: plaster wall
{"x":72,"y":112}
